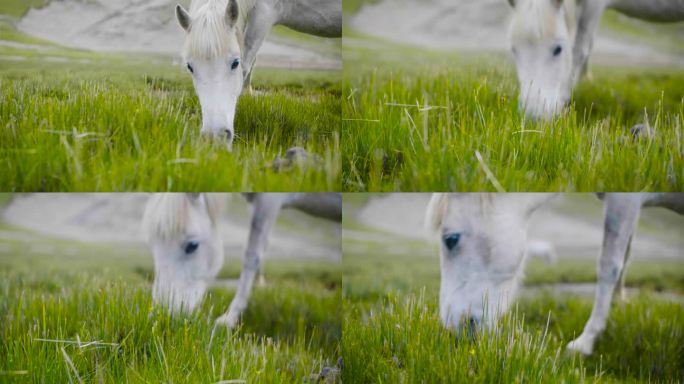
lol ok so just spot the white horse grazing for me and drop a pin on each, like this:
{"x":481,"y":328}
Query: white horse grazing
{"x":182,"y":230}
{"x":551,"y":41}
{"x":222,"y":40}
{"x":483,"y":242}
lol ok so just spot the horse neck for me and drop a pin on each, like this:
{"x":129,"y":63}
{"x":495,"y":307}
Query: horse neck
{"x":321,"y":205}
{"x":571,"y":18}
{"x":246,"y":7}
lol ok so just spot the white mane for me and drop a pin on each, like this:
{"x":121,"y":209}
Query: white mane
{"x":166,"y":214}
{"x":439,"y":205}
{"x":208,"y":35}
{"x":535,"y":19}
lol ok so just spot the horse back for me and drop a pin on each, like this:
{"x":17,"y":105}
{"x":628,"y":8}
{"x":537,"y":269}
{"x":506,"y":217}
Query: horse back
{"x":651,"y":10}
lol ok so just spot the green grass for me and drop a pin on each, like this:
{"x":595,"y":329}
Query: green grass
{"x":392,"y":142}
{"x":290,"y":331}
{"x":100,"y":122}
{"x":18,"y":8}
{"x":9,"y":33}
{"x":392,"y":332}
{"x":403,"y":341}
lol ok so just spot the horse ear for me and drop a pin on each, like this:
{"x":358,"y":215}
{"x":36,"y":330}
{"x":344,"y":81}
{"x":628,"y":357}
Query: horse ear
{"x":232,"y":12}
{"x":436,"y":210}
{"x":183,"y":17}
{"x":214,"y":203}
{"x":533,"y":201}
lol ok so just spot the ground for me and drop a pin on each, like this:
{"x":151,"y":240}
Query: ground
{"x":392,"y":333}
{"x":75,"y":120}
{"x":417,"y":116}
{"x":57,"y":291}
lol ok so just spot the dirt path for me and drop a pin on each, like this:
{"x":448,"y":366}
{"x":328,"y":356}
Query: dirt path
{"x":574,"y":225}
{"x":116,"y":218}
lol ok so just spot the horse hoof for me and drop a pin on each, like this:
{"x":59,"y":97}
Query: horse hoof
{"x":228,"y":320}
{"x":295,"y":157}
{"x":578,"y":345}
{"x":640,"y":131}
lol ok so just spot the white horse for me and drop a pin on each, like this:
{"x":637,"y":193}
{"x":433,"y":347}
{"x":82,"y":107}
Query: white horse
{"x":222,"y":40}
{"x":551,"y":41}
{"x":183,"y":233}
{"x":483,"y":242}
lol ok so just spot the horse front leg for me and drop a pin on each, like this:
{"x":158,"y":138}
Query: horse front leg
{"x":589,"y":18}
{"x":259,"y":23}
{"x":265,"y":213}
{"x":621,"y":216}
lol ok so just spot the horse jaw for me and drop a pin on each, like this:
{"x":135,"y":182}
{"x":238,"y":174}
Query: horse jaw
{"x":178,"y":296}
{"x":542,"y":36}
{"x":480,"y":276}
{"x":181,"y":277}
{"x":477,"y":292}
{"x":212,"y":54}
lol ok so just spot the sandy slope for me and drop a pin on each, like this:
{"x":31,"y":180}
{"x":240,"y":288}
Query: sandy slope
{"x":141,"y":26}
{"x":116,"y":218}
{"x":474,"y":25}
{"x":574,"y":235}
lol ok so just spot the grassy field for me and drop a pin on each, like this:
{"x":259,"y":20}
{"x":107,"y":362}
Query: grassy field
{"x":74,"y":120}
{"x":416,"y":122}
{"x":392,"y":332}
{"x":58,"y":290}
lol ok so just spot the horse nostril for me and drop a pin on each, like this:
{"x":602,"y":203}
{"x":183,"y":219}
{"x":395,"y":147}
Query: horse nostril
{"x":471,"y":323}
{"x":229,"y":135}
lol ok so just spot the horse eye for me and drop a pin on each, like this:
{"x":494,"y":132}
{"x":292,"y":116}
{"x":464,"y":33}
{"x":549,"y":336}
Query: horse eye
{"x":557,"y":50}
{"x":190,"y":247}
{"x":451,"y":240}
{"x":235,"y":64}
{"x":190,"y":68}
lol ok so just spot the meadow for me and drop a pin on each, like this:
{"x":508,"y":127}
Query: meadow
{"x":415,"y":119}
{"x":74,"y":120}
{"x":392,"y":332}
{"x":75,"y":312}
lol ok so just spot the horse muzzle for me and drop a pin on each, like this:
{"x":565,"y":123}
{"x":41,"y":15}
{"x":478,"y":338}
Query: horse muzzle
{"x":220,"y":136}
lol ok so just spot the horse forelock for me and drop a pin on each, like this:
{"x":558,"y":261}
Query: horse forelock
{"x":167,"y":214}
{"x":209,"y":35}
{"x":438,"y":207}
{"x":534,"y":20}
{"x":485,"y":200}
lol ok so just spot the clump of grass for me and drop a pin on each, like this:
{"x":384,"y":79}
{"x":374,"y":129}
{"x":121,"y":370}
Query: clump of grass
{"x":88,"y":292}
{"x":392,"y":331}
{"x":43,"y":320}
{"x":413,"y":126}
{"x":405,"y":342}
{"x":643,"y":339}
{"x":18,"y":8}
{"x":135,"y":127}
